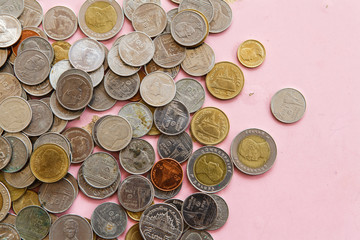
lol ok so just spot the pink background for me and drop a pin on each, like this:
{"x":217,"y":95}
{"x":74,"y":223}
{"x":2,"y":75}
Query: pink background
{"x":313,"y":189}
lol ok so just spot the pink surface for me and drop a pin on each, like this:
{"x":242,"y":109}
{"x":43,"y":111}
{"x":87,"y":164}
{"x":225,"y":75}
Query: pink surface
{"x":313,"y":189}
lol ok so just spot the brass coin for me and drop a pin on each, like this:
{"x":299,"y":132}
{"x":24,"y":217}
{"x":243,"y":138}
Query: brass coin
{"x":5,"y":201}
{"x":29,"y":198}
{"x":61,"y":51}
{"x":49,"y":163}
{"x":251,"y":53}
{"x":15,"y":193}
{"x":134,"y":233}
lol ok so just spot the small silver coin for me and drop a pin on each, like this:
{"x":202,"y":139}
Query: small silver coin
{"x":206,"y":7}
{"x":160,"y":194}
{"x":58,"y":69}
{"x":191,"y":93}
{"x":193,"y":234}
{"x":168,"y":53}
{"x":199,"y":61}
{"x":121,"y":88}
{"x":62,"y":112}
{"x":97,"y":76}
{"x":222,"y":213}
{"x":37,"y":43}
{"x":178,"y":147}
{"x":222,"y":16}
{"x":42,"y":118}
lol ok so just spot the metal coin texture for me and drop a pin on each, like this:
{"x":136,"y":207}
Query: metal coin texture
{"x":153,"y":67}
{"x":11,"y":30}
{"x":134,"y":233}
{"x":167,"y":174}
{"x":9,"y":86}
{"x":60,"y":23}
{"x":5,"y":152}
{"x":6,"y":201}
{"x":222,"y":16}
{"x":72,"y":227}
{"x":178,"y":147}
{"x":251,"y":53}
{"x":206,"y":7}
{"x":191,"y":93}
{"x":222,"y":213}
{"x":42,"y":118}
{"x":21,"y":179}
{"x":19,"y":155}
{"x":199,"y":61}
{"x":101,"y":100}
{"x":30,"y":198}
{"x":9,"y":232}
{"x":15,"y":114}
{"x":81,"y":142}
{"x":193,"y":234}
{"x":160,"y":194}
{"x":121,"y":88}
{"x":32,"y":14}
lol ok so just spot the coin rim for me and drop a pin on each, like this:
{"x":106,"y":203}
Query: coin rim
{"x":249,"y":65}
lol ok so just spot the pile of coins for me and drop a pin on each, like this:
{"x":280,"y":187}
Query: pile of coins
{"x":44,"y":85}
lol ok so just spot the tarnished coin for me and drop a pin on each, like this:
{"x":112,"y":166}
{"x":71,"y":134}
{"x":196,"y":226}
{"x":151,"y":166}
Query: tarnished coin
{"x":59,"y":68}
{"x":15,"y":193}
{"x":101,"y":19}
{"x":199,"y":61}
{"x":160,"y":194}
{"x":135,"y":193}
{"x":5,"y":152}
{"x":42,"y":118}
{"x":138,"y":157}
{"x":58,"y":125}
{"x":136,"y":49}
{"x":38,"y":90}
{"x":167,"y":174}
{"x":288,"y":105}
{"x":54,"y":138}
{"x":6,"y":201}
{"x":153,"y":131}
{"x":81,"y":142}
{"x":21,"y":179}
{"x":9,"y":86}
{"x":62,"y":112}
{"x":9,"y":219}
{"x":37,"y":43}
{"x":157,"y":89}
{"x":61,"y":51}
{"x":139,"y":117}
{"x":121,"y":88}
{"x":74,"y":182}
{"x":222,"y":16}
{"x":206,"y":7}
{"x":153,"y":67}
{"x":117,"y":65}
{"x":72,"y":227}
{"x":222,"y":213}
{"x":32,"y":15}
{"x":131,"y":5}
{"x":193,"y":234}
{"x":168,"y":53}
{"x":39,"y":31}
{"x":100,"y":170}
{"x":134,"y":233}
{"x":199,"y":210}
{"x":149,"y":18}
{"x":101,"y":100}
{"x":178,"y":147}
{"x":24,"y":138}
{"x":33,"y":222}
{"x":49,"y":163}
{"x":162,"y":220}
{"x":178,"y":204}
{"x":32,"y":67}
{"x":9,"y":232}
{"x":12,"y":7}
{"x":170,"y":14}
{"x":136,"y":215}
{"x":251,"y":53}
{"x":3,"y":56}
{"x":109,"y":220}
{"x":30,"y":198}
{"x":253,"y":151}
{"x":191,"y":93}
{"x":19,"y":155}
{"x":59,"y":23}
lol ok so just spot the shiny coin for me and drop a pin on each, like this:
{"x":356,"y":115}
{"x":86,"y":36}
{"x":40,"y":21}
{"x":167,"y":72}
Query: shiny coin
{"x":5,"y":152}
{"x":199,"y":61}
{"x":14,"y":8}
{"x":62,"y":112}
{"x":253,"y":151}
{"x":136,"y":193}
{"x":30,"y":198}
{"x":170,"y":14}
{"x":19,"y":155}
{"x":71,"y":226}
{"x":15,"y":193}
{"x":178,"y":147}
{"x":222,"y":16}
{"x":121,"y":88}
{"x":196,"y":234}
{"x":206,"y":7}
{"x":54,"y":138}
{"x":42,"y":118}
{"x":131,"y":5}
{"x":11,"y":30}
{"x":134,"y":233}
{"x":109,"y":220}
{"x":191,"y":93}
{"x":32,"y":14}
{"x":138,"y":157}
{"x":168,"y":53}
{"x":101,"y":101}
{"x":37,"y":43}
{"x":101,"y":19}
{"x":9,"y":232}
{"x":153,"y":67}
{"x":81,"y":142}
{"x":251,"y":53}
{"x":9,"y":86}
{"x":6,"y":201}
{"x":167,"y":174}
{"x":160,"y":194}
{"x":288,"y":105}
{"x":222,"y":213}
{"x":38,"y":90}
{"x":59,"y":68}
{"x":21,"y":179}
{"x":61,"y":51}
{"x":24,"y":138}
{"x":60,"y":23}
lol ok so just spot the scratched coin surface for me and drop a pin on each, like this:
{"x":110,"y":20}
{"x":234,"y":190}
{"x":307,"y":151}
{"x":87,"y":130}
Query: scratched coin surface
{"x":37,"y":43}
{"x":12,"y":7}
{"x":191,"y":93}
{"x":131,"y":5}
{"x":153,"y":67}
{"x":60,"y":23}
{"x":81,"y":143}
{"x":19,"y":155}
{"x":251,"y":53}
{"x":101,"y":100}
{"x":206,"y":7}
{"x":9,"y":232}
{"x":168,"y":53}
{"x":30,"y":198}
{"x":6,"y":201}
{"x":222,"y":16}
{"x":167,"y":174}
{"x":5,"y":152}
{"x":199,"y":61}
{"x":9,"y":86}
{"x":121,"y":88}
{"x":222,"y":213}
{"x":20,"y":179}
{"x":253,"y":151}
{"x":42,"y":118}
{"x":72,"y":227}
{"x":178,"y":147}
{"x":193,"y":234}
{"x":32,"y":14}
{"x":117,"y":65}
{"x":288,"y":105}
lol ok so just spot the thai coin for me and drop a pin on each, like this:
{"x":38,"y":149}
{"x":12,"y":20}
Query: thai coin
{"x":39,"y":31}
{"x":37,"y":43}
{"x":253,"y":151}
{"x":33,"y":222}
{"x":97,"y":76}
{"x":3,"y":56}
{"x":32,"y":67}
{"x":153,"y":131}
{"x":7,"y":68}
{"x":24,"y":35}
{"x":30,"y":198}
{"x":5,"y":152}
{"x":134,"y":233}
{"x":131,"y":5}
{"x":172,"y":119}
{"x":22,"y":137}
{"x":191,"y":93}
{"x":32,"y":14}
{"x":178,"y":147}
{"x":38,"y":90}
{"x":135,"y":193}
{"x":137,"y":96}
{"x":109,"y":220}
{"x":288,"y":105}
{"x":9,"y":219}
{"x":160,"y":194}
{"x":222,"y":213}
{"x":162,"y":220}
{"x":62,"y":112}
{"x":100,"y":170}
{"x":57,"y":197}
{"x":19,"y":155}
{"x":35,"y":185}
{"x":199,"y":210}
{"x":101,"y":19}
{"x":136,"y":49}
{"x":196,"y":234}
{"x":15,"y":193}
{"x":199,"y":61}
{"x":251,"y":53}
{"x":178,"y":204}
{"x":61,"y":51}
{"x":222,"y":16}
{"x":169,"y":15}
{"x":21,"y":179}
{"x":86,"y":54}
{"x":206,"y":7}
{"x":58,"y":125}
{"x":136,"y":215}
{"x":121,"y":88}
{"x":13,"y":8}
{"x":9,"y":232}
{"x":176,"y":1}
{"x":9,"y":86}
{"x":11,"y":30}
{"x":71,"y":226}
{"x":106,"y":50}
{"x":138,"y":157}
{"x":42,"y":118}
{"x":101,"y":100}
{"x":96,"y":193}
{"x":139,"y":117}
{"x":153,"y":67}
{"x":6,"y":201}
{"x":81,"y":143}
{"x":59,"y":23}
{"x":49,"y":163}
{"x":149,"y":18}
{"x":59,"y":68}
{"x":94,"y":128}
{"x":167,"y":174}
{"x":24,"y":95}
{"x":53,"y":138}
{"x":183,"y":28}
{"x":168,"y":53}
{"x":11,"y":59}
{"x":157,"y":89}
{"x":74,"y":182}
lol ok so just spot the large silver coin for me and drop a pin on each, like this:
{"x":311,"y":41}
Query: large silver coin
{"x":10,"y":30}
{"x":12,"y":7}
{"x":206,"y":7}
{"x":222,"y":16}
{"x":178,"y":147}
{"x":191,"y":93}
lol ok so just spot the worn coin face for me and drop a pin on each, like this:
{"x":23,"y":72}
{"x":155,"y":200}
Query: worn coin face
{"x":136,"y":193}
{"x":206,"y":7}
{"x":131,"y":5}
{"x":138,"y":157}
{"x":15,"y":193}
{"x":178,"y":204}
{"x":168,"y":53}
{"x":61,"y":51}
{"x":13,"y":8}
{"x":20,"y":179}
{"x":59,"y":68}
{"x":193,"y":234}
{"x":178,"y":147}
{"x":191,"y":93}
{"x":7,"y":68}
{"x":42,"y":118}
{"x":24,"y":35}
{"x":222,"y":16}
{"x":199,"y":61}
{"x":9,"y":232}
{"x":11,"y":30}
{"x":71,"y":226}
{"x":251,"y":53}
{"x":6,"y":201}
{"x":19,"y":155}
{"x":136,"y":49}
{"x":38,"y":90}
{"x":9,"y":219}
{"x":60,"y":23}
{"x":37,"y":43}
{"x":30,"y":198}
{"x":167,"y":174}
{"x":222,"y":213}
{"x":253,"y":151}
{"x":109,"y":220}
{"x":54,"y":138}
{"x":97,"y":76}
{"x":121,"y":88}
{"x":81,"y":142}
{"x":62,"y":112}
{"x":101,"y":100}
{"x":153,"y":67}
{"x":162,"y":220}
{"x":134,"y":233}
{"x":9,"y":86}
{"x":32,"y":14}
{"x":288,"y":105}
{"x":73,"y":181}
{"x":101,"y":19}
{"x":160,"y":194}
{"x":5,"y":152}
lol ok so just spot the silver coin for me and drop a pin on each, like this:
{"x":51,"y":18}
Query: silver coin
{"x":168,"y":53}
{"x":73,"y":181}
{"x":206,"y":7}
{"x":253,"y":151}
{"x":72,"y":227}
{"x":32,"y":15}
{"x":33,"y":222}
{"x":178,"y":147}
{"x":153,"y":67}
{"x":222,"y":16}
{"x":139,"y":117}
{"x":130,"y":6}
{"x":38,"y":31}
{"x":160,"y":194}
{"x":10,"y":30}
{"x":170,"y":14}
{"x":56,"y":71}
{"x":193,"y":234}
{"x":117,"y":65}
{"x":19,"y":155}
{"x":121,"y":88}
{"x":7,"y":68}
{"x":199,"y":61}
{"x":101,"y":101}
{"x":61,"y":112}
{"x":54,"y":138}
{"x":288,"y":105}
{"x":12,"y":7}
{"x":24,"y":138}
{"x":209,"y":169}
{"x":37,"y":43}
{"x":222,"y":213}
{"x":178,"y":204}
{"x":38,"y":90}
{"x":81,"y":143}
{"x":42,"y":118}
{"x":191,"y":93}
{"x":97,"y":76}
{"x":105,"y":64}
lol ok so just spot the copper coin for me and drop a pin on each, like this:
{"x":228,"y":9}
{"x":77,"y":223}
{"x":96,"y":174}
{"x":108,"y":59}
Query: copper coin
{"x":167,"y":174}
{"x":81,"y":142}
{"x":19,"y":155}
{"x":42,"y":118}
{"x":5,"y":152}
{"x":20,"y":179}
{"x":6,"y":201}
{"x":38,"y":31}
{"x":24,"y":35}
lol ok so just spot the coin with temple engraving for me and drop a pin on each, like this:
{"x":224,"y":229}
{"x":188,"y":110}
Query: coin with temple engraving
{"x":199,"y":61}
{"x":191,"y":93}
{"x":72,"y":227}
{"x":60,"y":23}
{"x":178,"y":147}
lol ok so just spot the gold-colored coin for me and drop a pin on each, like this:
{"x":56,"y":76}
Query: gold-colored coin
{"x":251,"y":53}
{"x":61,"y":51}
{"x":254,"y":151}
{"x":225,"y":80}
{"x":134,"y":233}
{"x":15,"y":193}
{"x":29,"y":198}
{"x":209,"y":126}
{"x":153,"y":131}
{"x":101,"y":17}
{"x":210,"y":169}
{"x":49,"y":163}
